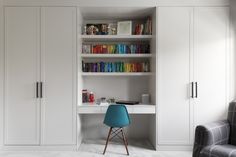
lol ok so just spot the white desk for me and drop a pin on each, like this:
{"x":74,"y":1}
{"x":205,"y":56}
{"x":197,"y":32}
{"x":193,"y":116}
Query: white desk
{"x":101,"y":109}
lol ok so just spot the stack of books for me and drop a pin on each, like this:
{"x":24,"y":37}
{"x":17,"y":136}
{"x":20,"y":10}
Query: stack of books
{"x":144,"y":28}
{"x":115,"y":67}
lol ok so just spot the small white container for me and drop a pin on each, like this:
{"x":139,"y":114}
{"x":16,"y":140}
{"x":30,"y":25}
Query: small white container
{"x":145,"y":99}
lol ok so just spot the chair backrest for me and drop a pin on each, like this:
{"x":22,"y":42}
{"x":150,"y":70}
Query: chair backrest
{"x":232,"y":122}
{"x":117,"y":116}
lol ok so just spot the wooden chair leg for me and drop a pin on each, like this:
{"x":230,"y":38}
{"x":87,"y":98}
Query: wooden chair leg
{"x":125,"y":138}
{"x":125,"y":141}
{"x":108,"y":137}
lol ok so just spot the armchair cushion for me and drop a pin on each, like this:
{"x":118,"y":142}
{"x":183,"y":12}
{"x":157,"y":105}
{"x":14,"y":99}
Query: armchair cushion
{"x":216,"y":133}
{"x":219,"y":151}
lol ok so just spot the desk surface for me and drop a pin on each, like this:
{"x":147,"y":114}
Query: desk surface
{"x":101,"y":109}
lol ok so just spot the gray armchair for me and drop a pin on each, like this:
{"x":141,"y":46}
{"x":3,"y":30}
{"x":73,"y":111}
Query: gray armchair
{"x":217,"y":139}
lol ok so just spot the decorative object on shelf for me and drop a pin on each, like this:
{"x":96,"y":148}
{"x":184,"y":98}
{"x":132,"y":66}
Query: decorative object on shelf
{"x":97,"y":29}
{"x":112,"y":28}
{"x":148,"y":26}
{"x":127,"y":102}
{"x":138,"y":29}
{"x":92,"y":29}
{"x":85,"y":30}
{"x":102,"y":101}
{"x":86,"y":49}
{"x":145,"y":99}
{"x":84,"y":95}
{"x":124,"y":28}
{"x":87,"y":96}
{"x":115,"y":67}
{"x":104,"y":29}
{"x":111,"y":100}
{"x":91,"y":97}
{"x":116,"y":48}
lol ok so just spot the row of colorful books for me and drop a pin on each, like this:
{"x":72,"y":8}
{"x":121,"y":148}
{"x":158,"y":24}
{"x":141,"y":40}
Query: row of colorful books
{"x":115,"y":67}
{"x":116,"y":49}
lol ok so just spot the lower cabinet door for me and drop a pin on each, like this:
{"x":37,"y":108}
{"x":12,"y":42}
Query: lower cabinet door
{"x":58,"y":58}
{"x":173,"y":97}
{"x":22,"y":108}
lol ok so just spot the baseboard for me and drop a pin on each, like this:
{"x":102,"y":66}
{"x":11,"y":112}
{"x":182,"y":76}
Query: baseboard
{"x":39,"y":148}
{"x":173,"y":148}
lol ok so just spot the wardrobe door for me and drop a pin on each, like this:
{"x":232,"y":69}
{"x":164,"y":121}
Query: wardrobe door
{"x":58,"y":41}
{"x":210,"y":57}
{"x":22,"y":39}
{"x":174,"y":54}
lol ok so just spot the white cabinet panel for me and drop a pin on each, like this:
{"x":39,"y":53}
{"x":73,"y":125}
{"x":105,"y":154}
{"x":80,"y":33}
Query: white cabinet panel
{"x":192,"y":46}
{"x":58,"y":75}
{"x":174,"y":122}
{"x":21,"y":73}
{"x":210,"y":54}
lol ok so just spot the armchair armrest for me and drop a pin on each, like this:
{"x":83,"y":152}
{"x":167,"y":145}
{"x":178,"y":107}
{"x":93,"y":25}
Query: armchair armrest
{"x":216,"y":133}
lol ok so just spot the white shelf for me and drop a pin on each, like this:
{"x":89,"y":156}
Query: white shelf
{"x":115,"y":37}
{"x":116,"y":73}
{"x":116,"y":55}
{"x":88,"y":108}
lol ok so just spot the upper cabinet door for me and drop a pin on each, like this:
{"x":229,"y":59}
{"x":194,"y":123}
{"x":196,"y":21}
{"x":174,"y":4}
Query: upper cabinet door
{"x":58,"y":61}
{"x":210,"y":55}
{"x":174,"y":63}
{"x":22,"y":42}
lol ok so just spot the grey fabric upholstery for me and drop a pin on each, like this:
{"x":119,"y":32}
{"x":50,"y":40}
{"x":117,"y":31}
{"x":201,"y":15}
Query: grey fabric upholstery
{"x":232,"y":122}
{"x":217,"y":139}
{"x":219,"y":151}
{"x":210,"y":134}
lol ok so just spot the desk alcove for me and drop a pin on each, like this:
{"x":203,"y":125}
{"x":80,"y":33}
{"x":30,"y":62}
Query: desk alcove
{"x":121,"y":86}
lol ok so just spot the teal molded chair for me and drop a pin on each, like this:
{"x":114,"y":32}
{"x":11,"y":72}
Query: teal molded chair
{"x":116,"y":118}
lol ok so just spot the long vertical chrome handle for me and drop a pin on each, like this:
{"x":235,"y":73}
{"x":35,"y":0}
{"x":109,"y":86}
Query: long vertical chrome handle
{"x":37,"y":89}
{"x":192,"y":94}
{"x":196,"y":90}
{"x":41,"y":89}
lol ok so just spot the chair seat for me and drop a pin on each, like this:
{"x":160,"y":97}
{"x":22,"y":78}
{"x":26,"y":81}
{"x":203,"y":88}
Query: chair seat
{"x":219,"y":151}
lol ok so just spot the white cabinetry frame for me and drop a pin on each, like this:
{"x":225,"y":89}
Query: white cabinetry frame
{"x":40,"y":46}
{"x":191,"y":45}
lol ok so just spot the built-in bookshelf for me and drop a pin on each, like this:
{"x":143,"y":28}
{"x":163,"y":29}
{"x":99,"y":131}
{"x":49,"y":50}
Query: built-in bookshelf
{"x":132,"y":65}
{"x":122,"y":84}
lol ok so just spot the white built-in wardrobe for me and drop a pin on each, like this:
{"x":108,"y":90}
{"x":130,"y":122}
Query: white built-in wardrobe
{"x":40,"y":78}
{"x":193,"y":70}
{"x":191,"y":59}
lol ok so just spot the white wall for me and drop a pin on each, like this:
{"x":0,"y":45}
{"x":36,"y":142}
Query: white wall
{"x":233,"y":49}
